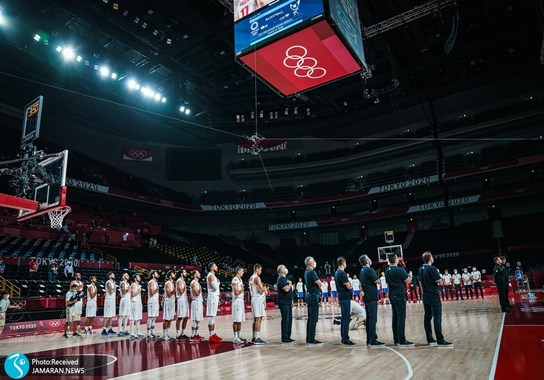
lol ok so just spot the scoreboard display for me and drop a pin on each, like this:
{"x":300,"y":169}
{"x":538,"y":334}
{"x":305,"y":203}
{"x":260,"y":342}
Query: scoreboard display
{"x":32,"y":119}
{"x":297,"y":45}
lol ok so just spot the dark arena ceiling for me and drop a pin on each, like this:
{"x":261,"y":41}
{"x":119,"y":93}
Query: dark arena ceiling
{"x":184,"y":50}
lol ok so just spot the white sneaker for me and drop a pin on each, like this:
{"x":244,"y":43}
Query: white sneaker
{"x":238,"y":341}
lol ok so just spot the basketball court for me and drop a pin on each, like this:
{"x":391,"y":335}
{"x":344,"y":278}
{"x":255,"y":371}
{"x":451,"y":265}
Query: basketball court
{"x":474,"y":327}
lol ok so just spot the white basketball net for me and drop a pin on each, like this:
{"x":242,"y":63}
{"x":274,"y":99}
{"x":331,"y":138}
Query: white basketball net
{"x":57,"y":216}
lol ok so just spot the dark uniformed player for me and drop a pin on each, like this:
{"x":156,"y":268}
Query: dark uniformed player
{"x":369,"y":281}
{"x":397,"y":278}
{"x":430,"y":280}
{"x":500,"y":277}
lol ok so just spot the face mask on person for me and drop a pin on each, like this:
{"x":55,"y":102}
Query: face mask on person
{"x":286,"y":271}
{"x":466,"y":271}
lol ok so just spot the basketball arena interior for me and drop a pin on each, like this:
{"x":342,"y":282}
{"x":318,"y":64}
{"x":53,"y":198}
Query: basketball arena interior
{"x":214,"y":189}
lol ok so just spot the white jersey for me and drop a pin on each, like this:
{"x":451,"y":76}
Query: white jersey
{"x":213,"y":284}
{"x":333,"y":286}
{"x":237,"y":282}
{"x":155,"y":297}
{"x":300,"y":287}
{"x":356,"y":284}
{"x":467,"y":279}
{"x":79,"y":285}
{"x":194,"y":297}
{"x":183,"y":286}
{"x":110,"y":285}
{"x":122,"y":287}
{"x":89,"y":298}
{"x":476,"y":276}
{"x":253,"y":289}
{"x":137,"y":297}
{"x":172,"y":298}
{"x":324,"y":287}
{"x":357,"y":310}
{"x":456,"y":279}
{"x":447,"y":278}
{"x":245,"y":7}
{"x":384,"y":283}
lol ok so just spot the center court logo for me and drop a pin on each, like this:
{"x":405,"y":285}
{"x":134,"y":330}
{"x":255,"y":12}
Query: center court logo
{"x":16,"y":365}
{"x":305,"y":67}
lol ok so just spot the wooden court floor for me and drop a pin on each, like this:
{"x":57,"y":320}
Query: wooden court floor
{"x":472,"y":325}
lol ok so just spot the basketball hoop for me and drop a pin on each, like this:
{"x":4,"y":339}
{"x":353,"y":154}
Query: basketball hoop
{"x":57,"y":216}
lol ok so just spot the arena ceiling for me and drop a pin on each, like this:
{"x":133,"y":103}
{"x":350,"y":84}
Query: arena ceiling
{"x":186,"y":51}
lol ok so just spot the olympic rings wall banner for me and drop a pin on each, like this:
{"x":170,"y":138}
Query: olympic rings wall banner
{"x":137,"y":154}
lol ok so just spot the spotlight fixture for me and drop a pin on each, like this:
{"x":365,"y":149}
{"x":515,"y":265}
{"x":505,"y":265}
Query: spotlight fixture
{"x":37,"y":38}
{"x":158,"y":97}
{"x":2,"y":18}
{"x":68,"y":53}
{"x":182,"y":109}
{"x":104,"y":71}
{"x":79,"y":58}
{"x":58,"y":49}
{"x":187,"y":111}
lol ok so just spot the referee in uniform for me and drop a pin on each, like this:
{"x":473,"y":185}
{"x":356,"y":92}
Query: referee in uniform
{"x":500,"y":277}
{"x":397,"y":278}
{"x":430,"y":281}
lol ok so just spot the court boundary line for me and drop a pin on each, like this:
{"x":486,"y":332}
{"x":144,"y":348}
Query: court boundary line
{"x":497,"y":349}
{"x":406,"y":362}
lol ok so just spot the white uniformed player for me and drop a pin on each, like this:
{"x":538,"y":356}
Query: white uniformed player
{"x":467,"y":283}
{"x":152,"y":303}
{"x":135,"y":307}
{"x":182,"y":306}
{"x":258,"y":294}
{"x":124,"y":306}
{"x":169,"y":311}
{"x":78,"y":307}
{"x":212,"y":303}
{"x":325,"y":292}
{"x":238,"y":306}
{"x":300,"y":292}
{"x":196,"y":307}
{"x":109,"y":304}
{"x":356,"y":288}
{"x":334,"y":293}
{"x":91,"y":307}
{"x":384,"y":288}
{"x":358,"y":316}
{"x":477,"y":282}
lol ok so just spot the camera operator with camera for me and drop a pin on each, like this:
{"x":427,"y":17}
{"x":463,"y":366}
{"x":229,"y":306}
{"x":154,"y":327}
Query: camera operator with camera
{"x":72,"y":297}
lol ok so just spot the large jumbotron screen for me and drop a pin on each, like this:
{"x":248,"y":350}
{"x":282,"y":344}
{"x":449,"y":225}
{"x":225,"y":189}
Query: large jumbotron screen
{"x":303,"y":60}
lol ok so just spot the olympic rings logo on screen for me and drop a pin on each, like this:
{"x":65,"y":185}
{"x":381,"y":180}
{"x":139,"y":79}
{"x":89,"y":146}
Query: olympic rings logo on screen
{"x":137,"y":154}
{"x":305,"y":67}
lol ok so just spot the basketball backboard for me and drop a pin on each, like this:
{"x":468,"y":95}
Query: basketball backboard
{"x":46,"y":184}
{"x":384,"y":251}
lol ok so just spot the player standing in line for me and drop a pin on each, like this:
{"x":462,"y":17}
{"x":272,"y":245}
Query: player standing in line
{"x":384,"y":288}
{"x":91,"y":307}
{"x":334,"y":292}
{"x":124,"y":305}
{"x":135,"y":307}
{"x":196,"y":307}
{"x":356,"y":288}
{"x":169,"y":311}
{"x":324,"y":292}
{"x":109,"y":304}
{"x":78,"y":307}
{"x":477,"y":281}
{"x":257,"y":291}
{"x":467,"y":282}
{"x":238,"y":306}
{"x":457,"y":283}
{"x":152,"y":304}
{"x":300,"y":292}
{"x":212,"y":303}
{"x":182,"y":306}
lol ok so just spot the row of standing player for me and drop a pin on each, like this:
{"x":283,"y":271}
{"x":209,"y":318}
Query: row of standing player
{"x":175,"y":302}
